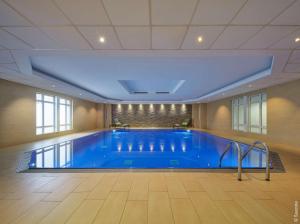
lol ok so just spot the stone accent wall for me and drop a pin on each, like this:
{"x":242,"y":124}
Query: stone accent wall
{"x":151,"y":115}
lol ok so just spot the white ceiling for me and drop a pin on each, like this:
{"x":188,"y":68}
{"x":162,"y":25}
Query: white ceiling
{"x":62,"y":37}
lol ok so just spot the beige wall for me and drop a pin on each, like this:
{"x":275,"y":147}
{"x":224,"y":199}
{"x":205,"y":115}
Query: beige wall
{"x":17,"y":114}
{"x":283,"y":115}
{"x":199,"y":111}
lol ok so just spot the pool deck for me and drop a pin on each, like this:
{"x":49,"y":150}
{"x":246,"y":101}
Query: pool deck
{"x":147,"y":197}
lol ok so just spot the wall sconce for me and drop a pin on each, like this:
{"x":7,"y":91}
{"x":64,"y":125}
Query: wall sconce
{"x":129,"y":107}
{"x":119,"y":107}
{"x":151,"y":108}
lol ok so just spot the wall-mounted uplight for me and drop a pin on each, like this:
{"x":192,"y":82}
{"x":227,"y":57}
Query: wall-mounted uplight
{"x":129,"y":107}
{"x":199,"y":39}
{"x":102,"y":39}
{"x":297,"y":39}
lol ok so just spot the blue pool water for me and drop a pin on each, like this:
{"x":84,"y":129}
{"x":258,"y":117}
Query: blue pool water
{"x":153,"y":148}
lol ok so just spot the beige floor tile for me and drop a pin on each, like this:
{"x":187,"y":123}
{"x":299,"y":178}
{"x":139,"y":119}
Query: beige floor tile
{"x":112,"y":209}
{"x":12,"y":212}
{"x":64,"y":190}
{"x":253,"y":208}
{"x":36,"y":213}
{"x":157,"y":183}
{"x":159,"y":208}
{"x":123,"y":183}
{"x":135,"y":212}
{"x":206,"y":209}
{"x":86,"y":212}
{"x":64,"y":210}
{"x":184,"y":212}
{"x":280,"y":211}
{"x":234,"y":213}
{"x":103,"y":188}
{"x":139,"y":190}
{"x":89,"y":183}
{"x":175,"y":188}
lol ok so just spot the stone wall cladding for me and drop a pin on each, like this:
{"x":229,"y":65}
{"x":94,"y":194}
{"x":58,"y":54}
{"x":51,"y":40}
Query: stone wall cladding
{"x":145,"y":115}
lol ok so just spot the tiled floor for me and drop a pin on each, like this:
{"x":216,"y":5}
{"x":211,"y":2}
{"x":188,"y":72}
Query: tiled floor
{"x":146,"y":197}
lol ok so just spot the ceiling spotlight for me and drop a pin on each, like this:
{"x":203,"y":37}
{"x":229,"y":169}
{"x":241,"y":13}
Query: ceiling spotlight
{"x":250,"y":85}
{"x":53,"y":86}
{"x":102,"y":39}
{"x":297,"y":39}
{"x":200,"y":39}
{"x":80,"y":94}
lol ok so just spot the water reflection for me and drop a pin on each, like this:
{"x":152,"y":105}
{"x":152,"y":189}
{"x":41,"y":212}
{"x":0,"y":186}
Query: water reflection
{"x":142,"y":149}
{"x":55,"y":156}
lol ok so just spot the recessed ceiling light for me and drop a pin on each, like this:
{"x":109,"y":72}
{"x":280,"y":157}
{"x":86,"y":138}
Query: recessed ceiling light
{"x":53,"y":86}
{"x":200,"y":39}
{"x":297,"y":39}
{"x":102,"y":39}
{"x":250,"y":85}
{"x":80,"y":94}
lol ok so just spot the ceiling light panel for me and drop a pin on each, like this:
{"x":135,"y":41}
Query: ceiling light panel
{"x":9,"y":17}
{"x":40,"y":12}
{"x":134,"y":37}
{"x":258,"y":12}
{"x":92,"y":34}
{"x":172,"y":12}
{"x":84,"y":12}
{"x":167,"y":37}
{"x":209,"y":34}
{"x":128,"y":12}
{"x":216,"y":12}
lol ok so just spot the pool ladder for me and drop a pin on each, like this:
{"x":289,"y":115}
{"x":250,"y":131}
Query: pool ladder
{"x":236,"y":146}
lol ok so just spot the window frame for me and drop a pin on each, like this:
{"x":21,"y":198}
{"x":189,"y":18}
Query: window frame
{"x":40,"y":130}
{"x":246,"y":102}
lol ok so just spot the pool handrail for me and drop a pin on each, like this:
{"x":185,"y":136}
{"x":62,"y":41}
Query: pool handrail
{"x":266,"y":149}
{"x":238,"y":148}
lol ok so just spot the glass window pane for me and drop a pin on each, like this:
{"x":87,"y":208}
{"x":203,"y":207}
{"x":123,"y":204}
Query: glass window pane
{"x":264,"y":116}
{"x":68,"y":121}
{"x":62,"y":114}
{"x":39,"y":131}
{"x":39,"y":96}
{"x":48,"y":114}
{"x":39,"y":114}
{"x":62,"y":100}
{"x":48,"y":130}
{"x":255,"y":114}
{"x":48,"y":98}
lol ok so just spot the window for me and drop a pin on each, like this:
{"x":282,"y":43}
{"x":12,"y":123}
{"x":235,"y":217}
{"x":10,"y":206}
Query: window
{"x":258,"y":113}
{"x":52,"y":114}
{"x":239,"y":114}
{"x":250,"y":113}
{"x":65,"y":114}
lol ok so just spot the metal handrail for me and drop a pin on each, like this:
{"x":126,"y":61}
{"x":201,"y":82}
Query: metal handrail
{"x":238,"y":148}
{"x":266,"y":149}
